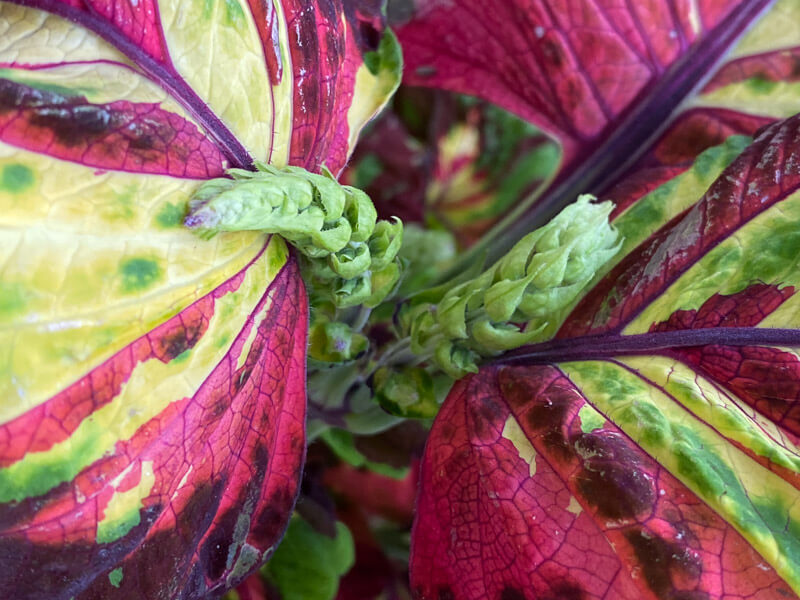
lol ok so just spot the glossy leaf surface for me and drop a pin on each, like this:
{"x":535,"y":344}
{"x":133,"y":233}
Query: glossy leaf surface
{"x":153,"y":384}
{"x":650,"y":449}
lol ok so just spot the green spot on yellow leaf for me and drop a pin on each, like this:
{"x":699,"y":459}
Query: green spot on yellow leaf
{"x":16,"y":178}
{"x":12,"y":299}
{"x":170,"y":215}
{"x":761,"y":86}
{"x":222,"y":341}
{"x":700,"y":466}
{"x":139,"y":273}
{"x":121,"y":206}
{"x":182,"y":356}
{"x":653,"y":425}
{"x":234,"y":15}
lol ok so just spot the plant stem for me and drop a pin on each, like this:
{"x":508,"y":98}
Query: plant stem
{"x":361,"y":319}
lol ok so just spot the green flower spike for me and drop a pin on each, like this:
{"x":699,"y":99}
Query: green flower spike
{"x":347,"y":256}
{"x":513,"y":302}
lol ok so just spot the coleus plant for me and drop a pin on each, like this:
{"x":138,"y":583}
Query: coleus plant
{"x":649,"y":448}
{"x":645,"y":447}
{"x":152,"y":383}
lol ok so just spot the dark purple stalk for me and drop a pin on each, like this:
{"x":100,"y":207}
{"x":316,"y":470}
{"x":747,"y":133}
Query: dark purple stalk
{"x":613,"y":344}
{"x":237,"y":154}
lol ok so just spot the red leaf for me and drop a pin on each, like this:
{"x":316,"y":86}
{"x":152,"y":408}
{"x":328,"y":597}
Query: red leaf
{"x":154,"y":432}
{"x":572,"y":69}
{"x":607,"y":81}
{"x":651,"y":449}
{"x":122,"y":135}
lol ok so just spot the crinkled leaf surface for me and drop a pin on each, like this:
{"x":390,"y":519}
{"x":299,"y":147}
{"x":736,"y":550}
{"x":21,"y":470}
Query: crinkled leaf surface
{"x":650,"y":449}
{"x":153,"y":384}
{"x":647,"y":85}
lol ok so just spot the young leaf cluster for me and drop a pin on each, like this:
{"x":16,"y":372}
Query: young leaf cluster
{"x":511,"y":303}
{"x":348,"y":256}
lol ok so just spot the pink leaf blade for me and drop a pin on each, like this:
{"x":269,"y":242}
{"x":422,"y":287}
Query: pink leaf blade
{"x":155,"y":435}
{"x":665,"y":407}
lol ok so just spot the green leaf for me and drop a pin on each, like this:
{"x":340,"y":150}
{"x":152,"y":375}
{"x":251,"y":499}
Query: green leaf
{"x":406,"y":392}
{"x":308,"y":564}
{"x":343,"y":445}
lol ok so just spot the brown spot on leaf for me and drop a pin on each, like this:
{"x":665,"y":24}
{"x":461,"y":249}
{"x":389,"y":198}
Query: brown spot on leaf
{"x":663,"y":563}
{"x":144,"y":141}
{"x":566,"y":590}
{"x":214,"y":552}
{"x":445,"y":593}
{"x":260,"y":459}
{"x":545,"y":403}
{"x":76,"y":124}
{"x":274,"y":517}
{"x":552,"y":51}
{"x":548,"y":418}
{"x":483,"y":416}
{"x":219,"y":407}
{"x":175,"y":343}
{"x":510,"y":593}
{"x":16,"y":96}
{"x":612,"y":478}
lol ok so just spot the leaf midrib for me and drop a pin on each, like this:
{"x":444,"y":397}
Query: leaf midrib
{"x":608,"y":345}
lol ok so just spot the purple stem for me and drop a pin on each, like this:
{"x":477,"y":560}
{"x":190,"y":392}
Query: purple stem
{"x":237,"y":154}
{"x":611,"y":345}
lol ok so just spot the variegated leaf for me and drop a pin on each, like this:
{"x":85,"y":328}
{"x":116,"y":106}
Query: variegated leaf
{"x":153,"y":384}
